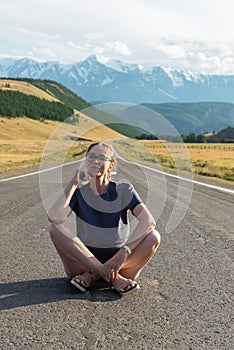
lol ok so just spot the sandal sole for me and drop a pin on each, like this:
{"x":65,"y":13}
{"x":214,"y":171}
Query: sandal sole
{"x":77,"y":285}
{"x":129,"y":291}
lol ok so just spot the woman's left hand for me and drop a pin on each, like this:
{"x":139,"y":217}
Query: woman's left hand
{"x":115,"y":263}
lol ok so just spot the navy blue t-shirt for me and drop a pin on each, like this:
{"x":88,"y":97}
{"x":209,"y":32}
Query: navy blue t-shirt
{"x":102,"y":220}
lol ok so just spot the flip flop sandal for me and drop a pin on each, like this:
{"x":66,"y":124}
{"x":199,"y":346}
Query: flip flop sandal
{"x":78,"y":283}
{"x":130,"y":288}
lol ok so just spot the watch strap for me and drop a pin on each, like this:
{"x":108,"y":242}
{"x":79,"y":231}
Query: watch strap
{"x":128,"y":250}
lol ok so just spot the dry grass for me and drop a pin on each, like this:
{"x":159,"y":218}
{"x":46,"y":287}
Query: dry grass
{"x":26,"y":88}
{"x":25,"y":129}
{"x":23,"y":140}
{"x":215,"y":160}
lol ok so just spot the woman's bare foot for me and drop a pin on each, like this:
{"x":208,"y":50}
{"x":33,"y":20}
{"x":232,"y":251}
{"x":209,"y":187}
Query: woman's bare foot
{"x":83,"y":280}
{"x":124,"y":285}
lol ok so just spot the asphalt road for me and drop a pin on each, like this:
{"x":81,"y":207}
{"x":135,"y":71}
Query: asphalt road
{"x":185,"y":300}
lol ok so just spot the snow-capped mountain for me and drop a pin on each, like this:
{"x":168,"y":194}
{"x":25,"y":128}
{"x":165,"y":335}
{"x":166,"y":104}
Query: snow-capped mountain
{"x":101,"y":79}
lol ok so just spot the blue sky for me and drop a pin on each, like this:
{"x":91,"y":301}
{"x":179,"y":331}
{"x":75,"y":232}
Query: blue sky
{"x":194,"y":35}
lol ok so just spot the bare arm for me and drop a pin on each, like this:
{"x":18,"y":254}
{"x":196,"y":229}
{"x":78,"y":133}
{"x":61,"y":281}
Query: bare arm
{"x":60,"y":210}
{"x":145,"y":225}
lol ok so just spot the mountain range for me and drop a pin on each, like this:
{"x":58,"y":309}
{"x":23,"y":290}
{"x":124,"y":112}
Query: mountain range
{"x":98,"y":79}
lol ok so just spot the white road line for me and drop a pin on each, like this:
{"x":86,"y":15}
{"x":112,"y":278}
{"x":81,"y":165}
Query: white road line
{"x":223,"y":189}
{"x":193,"y":181}
{"x":180,"y":177}
{"x":39,"y":171}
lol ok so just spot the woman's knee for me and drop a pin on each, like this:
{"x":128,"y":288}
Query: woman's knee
{"x":53,"y":231}
{"x":155,"y":238}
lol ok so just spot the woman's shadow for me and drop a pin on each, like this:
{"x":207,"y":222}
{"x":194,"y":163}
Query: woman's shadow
{"x":24,"y":293}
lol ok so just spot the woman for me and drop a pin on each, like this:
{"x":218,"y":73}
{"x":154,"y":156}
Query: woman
{"x":104,"y":246}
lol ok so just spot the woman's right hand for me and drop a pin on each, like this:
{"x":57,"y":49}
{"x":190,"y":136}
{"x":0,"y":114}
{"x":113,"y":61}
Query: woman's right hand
{"x":82,"y":176}
{"x":114,"y":264}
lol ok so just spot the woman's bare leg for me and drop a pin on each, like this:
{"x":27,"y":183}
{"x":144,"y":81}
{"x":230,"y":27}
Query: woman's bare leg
{"x":76,"y":258}
{"x":140,"y":256}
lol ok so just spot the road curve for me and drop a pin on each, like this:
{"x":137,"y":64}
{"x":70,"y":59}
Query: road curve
{"x":185,"y":299}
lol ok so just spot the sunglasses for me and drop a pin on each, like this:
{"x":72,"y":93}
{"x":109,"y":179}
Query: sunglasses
{"x":101,"y":159}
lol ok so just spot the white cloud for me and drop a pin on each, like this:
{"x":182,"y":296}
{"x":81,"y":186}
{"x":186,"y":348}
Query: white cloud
{"x":45,"y":52}
{"x":208,"y":64}
{"x":118,"y":48}
{"x":201,"y":57}
{"x":107,"y":48}
{"x":221,"y":50}
{"x":172,"y":51}
{"x":73,"y":45}
{"x":72,"y":30}
{"x":39,"y":35}
{"x":94,"y":36}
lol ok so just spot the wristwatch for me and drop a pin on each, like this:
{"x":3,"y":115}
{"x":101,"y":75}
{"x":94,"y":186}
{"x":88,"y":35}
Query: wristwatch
{"x":128,"y":250}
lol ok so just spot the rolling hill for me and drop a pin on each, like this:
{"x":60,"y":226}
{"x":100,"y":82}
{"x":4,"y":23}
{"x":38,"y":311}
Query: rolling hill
{"x":199,"y":117}
{"x":32,"y":112}
{"x":45,"y":102}
{"x":225,"y":135}
{"x":45,"y":99}
{"x":38,"y":99}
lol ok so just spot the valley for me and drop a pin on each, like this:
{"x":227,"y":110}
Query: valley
{"x":23,"y":140}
